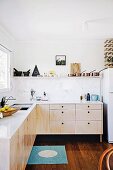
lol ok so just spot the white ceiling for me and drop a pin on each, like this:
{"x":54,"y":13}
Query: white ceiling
{"x":30,"y":20}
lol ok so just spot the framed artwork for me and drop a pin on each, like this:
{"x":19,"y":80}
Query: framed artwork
{"x":60,"y":60}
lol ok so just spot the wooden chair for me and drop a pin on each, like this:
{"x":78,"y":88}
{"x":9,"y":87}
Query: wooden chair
{"x":106,"y":154}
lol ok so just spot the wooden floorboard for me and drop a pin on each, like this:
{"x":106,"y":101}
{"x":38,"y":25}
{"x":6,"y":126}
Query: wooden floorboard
{"x":81,"y":154}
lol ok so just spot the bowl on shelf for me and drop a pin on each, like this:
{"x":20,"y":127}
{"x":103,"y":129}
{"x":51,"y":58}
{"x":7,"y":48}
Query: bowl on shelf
{"x":17,"y":73}
{"x":95,"y":97}
{"x":26,"y":73}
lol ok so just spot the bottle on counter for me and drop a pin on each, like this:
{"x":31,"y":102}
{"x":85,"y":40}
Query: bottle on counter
{"x":44,"y":98}
{"x":88,"y":97}
{"x":81,"y":98}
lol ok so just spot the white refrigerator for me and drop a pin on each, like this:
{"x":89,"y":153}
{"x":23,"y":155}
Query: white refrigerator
{"x":107,"y":85}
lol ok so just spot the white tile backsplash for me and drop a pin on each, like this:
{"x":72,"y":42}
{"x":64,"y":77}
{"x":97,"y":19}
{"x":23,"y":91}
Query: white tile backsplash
{"x":69,"y":88}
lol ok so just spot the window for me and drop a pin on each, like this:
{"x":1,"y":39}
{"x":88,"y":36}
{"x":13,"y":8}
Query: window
{"x":4,"y":69}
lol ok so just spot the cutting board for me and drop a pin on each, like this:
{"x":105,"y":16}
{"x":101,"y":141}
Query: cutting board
{"x":75,"y":68}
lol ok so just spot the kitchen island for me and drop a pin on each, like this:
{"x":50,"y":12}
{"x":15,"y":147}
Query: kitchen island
{"x":18,"y":132}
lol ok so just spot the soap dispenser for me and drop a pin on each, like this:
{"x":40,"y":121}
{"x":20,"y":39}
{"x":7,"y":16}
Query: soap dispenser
{"x":88,"y":97}
{"x":45,"y":98}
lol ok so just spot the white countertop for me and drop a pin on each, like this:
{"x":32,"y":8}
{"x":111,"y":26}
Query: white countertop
{"x":9,"y":125}
{"x":68,"y":102}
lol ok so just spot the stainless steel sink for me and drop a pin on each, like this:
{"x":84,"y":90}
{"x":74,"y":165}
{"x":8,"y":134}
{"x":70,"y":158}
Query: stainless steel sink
{"x":22,"y":106}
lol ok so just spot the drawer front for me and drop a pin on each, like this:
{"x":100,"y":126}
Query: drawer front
{"x":88,"y":115}
{"x":88,"y":127}
{"x":62,"y":127}
{"x":89,"y":106}
{"x":55,"y":127}
{"x":56,"y":115}
{"x":68,"y":127}
{"x":62,"y":106}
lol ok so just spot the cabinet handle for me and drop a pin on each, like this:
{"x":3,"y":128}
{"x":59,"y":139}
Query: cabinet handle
{"x":62,"y":123}
{"x":62,"y":112}
{"x":88,"y":106}
{"x":88,"y":123}
{"x":88,"y":112}
{"x":62,"y":106}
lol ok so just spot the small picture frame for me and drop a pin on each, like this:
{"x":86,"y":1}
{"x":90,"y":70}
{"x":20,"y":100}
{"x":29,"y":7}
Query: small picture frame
{"x":60,"y":60}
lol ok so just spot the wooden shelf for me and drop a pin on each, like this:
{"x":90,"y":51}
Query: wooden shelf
{"x":30,"y":77}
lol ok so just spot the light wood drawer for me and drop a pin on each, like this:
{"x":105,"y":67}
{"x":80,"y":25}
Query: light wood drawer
{"x":62,"y":106}
{"x":68,"y":127}
{"x":62,"y":127}
{"x":62,"y":115}
{"x":88,"y":115}
{"x":89,"y":106}
{"x":55,"y":127}
{"x":88,"y":127}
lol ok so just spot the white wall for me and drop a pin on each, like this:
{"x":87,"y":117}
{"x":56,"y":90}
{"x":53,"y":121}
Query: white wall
{"x":90,"y":53}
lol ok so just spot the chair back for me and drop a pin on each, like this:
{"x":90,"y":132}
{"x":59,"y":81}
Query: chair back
{"x":106,"y":155}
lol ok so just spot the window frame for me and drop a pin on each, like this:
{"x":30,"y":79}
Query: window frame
{"x":8,"y":70}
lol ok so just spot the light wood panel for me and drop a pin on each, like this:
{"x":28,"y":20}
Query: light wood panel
{"x":62,"y":119}
{"x":68,"y":127}
{"x":88,"y":127}
{"x":88,"y":106}
{"x":62,"y":106}
{"x":14,"y":150}
{"x":55,"y":127}
{"x":88,"y":114}
{"x":21,"y":143}
{"x":42,"y":119}
{"x":58,"y":115}
{"x":89,"y":119}
{"x":21,"y":153}
{"x":62,"y":127}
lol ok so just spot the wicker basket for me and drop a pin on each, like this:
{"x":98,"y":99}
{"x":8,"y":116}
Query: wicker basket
{"x":9,"y":113}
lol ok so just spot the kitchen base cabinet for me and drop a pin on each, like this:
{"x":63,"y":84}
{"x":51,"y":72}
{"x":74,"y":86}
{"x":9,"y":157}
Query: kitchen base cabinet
{"x":89,"y":119}
{"x":81,"y":118}
{"x":42,"y":119}
{"x":21,"y":143}
{"x":62,"y":119}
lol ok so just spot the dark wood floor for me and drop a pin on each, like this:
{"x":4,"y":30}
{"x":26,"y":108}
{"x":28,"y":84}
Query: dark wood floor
{"x":82,"y":153}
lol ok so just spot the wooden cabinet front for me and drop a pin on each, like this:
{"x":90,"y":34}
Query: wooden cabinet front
{"x":62,"y":127}
{"x":57,"y":115}
{"x":62,"y":119}
{"x":42,"y":119}
{"x":21,"y":143}
{"x":89,"y":119}
{"x":88,"y":127}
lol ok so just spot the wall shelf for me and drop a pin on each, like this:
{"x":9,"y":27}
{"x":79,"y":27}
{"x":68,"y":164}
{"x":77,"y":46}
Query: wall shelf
{"x":71,"y":77}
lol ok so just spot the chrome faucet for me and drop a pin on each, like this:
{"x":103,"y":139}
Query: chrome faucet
{"x":32,"y":93}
